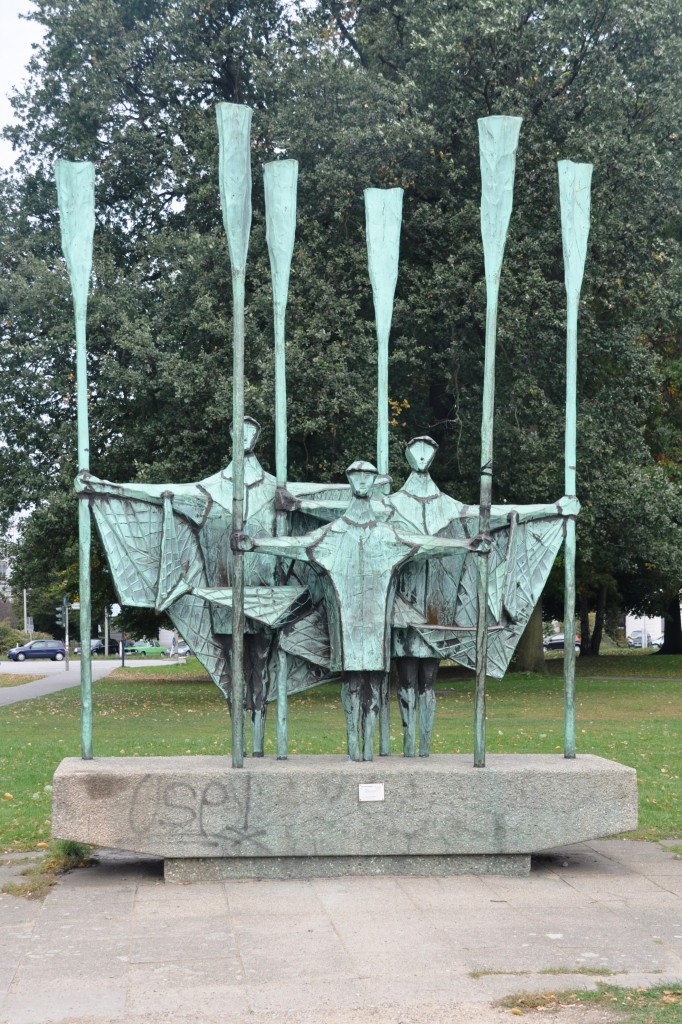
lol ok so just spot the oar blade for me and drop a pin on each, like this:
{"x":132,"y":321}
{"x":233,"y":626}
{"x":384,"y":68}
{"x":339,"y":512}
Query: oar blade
{"x":280,"y":179}
{"x":234,"y":140}
{"x":76,"y":201}
{"x":575,"y":182}
{"x":498,"y":139}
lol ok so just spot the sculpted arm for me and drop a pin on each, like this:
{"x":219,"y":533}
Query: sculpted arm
{"x":433,"y":547}
{"x":285,"y":547}
{"x":565,"y":506}
{"x":86,"y":483}
{"x":326,"y":509}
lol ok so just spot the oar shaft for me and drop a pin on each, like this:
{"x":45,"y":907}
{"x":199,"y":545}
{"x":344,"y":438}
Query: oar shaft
{"x":84,"y":537}
{"x":280,"y":179}
{"x":234,"y":171}
{"x":574,"y":193}
{"x":485,"y":500}
{"x":569,"y":540}
{"x":498,"y":141}
{"x":238,"y":520}
{"x":76,"y":199}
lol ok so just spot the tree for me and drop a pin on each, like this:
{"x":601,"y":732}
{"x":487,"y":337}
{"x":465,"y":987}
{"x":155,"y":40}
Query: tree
{"x":362,"y":94}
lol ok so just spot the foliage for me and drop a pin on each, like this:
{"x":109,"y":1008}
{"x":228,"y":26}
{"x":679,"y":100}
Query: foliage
{"x":361,"y":94}
{"x":10,"y":637}
{"x":635,"y":720}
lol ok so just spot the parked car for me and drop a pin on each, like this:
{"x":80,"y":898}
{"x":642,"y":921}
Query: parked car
{"x":97,"y":647}
{"x":556,"y":642}
{"x":182,"y":650}
{"x":144,"y":649}
{"x":52,"y":649}
{"x":635,"y":639}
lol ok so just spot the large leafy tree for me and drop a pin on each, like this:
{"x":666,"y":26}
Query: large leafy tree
{"x":363,"y":93}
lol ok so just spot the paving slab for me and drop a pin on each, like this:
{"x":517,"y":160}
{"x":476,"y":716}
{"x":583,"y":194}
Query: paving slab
{"x":115,"y":944}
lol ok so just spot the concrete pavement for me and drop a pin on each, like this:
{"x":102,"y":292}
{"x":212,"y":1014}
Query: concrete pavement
{"x":114,"y":944}
{"x":55,"y":676}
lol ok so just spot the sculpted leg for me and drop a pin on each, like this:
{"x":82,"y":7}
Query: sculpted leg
{"x":350,"y":699}
{"x":370,"y":709}
{"x":384,"y":718}
{"x":428,"y":669}
{"x":408,"y":672}
{"x":256,"y":649}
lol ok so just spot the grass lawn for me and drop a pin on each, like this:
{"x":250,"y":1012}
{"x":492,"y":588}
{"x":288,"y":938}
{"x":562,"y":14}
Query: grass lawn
{"x":15,"y":679}
{"x":632,"y":714}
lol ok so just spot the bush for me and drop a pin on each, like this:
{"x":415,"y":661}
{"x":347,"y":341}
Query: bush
{"x":12,"y":637}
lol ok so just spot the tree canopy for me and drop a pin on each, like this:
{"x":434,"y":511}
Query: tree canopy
{"x":362,"y":93}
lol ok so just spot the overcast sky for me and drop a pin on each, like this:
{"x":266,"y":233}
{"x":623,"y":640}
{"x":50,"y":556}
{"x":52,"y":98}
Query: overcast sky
{"x":16,"y":37}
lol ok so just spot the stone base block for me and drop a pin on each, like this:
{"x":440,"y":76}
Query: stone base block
{"x":213,"y":869}
{"x":333,"y":810}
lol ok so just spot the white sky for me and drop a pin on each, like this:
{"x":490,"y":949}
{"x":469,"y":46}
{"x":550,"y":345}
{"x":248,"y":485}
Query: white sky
{"x":16,"y":37}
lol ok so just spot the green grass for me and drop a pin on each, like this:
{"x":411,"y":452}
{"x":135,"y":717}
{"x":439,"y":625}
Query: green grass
{"x":623,"y":664}
{"x":660,"y":1005}
{"x":637,"y":721}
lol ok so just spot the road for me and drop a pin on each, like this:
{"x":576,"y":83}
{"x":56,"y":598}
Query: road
{"x":55,"y":677}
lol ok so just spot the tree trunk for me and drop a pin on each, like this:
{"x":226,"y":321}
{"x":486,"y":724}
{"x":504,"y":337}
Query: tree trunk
{"x":585,"y":649}
{"x":595,"y":641}
{"x":672,"y":628}
{"x":530,"y":655}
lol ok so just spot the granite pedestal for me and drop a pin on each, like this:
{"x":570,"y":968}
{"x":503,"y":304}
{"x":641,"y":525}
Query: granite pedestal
{"x":324,"y":815}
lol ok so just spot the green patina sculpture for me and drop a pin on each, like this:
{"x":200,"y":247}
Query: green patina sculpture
{"x":169,"y":549}
{"x":271,"y":602}
{"x":443,"y":591}
{"x":358,"y":558}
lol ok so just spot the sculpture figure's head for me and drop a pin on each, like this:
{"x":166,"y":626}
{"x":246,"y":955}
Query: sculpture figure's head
{"x":420,"y":452}
{"x":251,"y":434}
{"x":382,"y":485}
{"x":361,"y":477}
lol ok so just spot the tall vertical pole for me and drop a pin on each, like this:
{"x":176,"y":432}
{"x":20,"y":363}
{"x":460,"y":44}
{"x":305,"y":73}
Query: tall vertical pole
{"x":498,"y":140}
{"x":281,"y":179}
{"x":66,"y":631}
{"x":234,"y":138}
{"x":383,"y":220}
{"x":574,"y":194}
{"x":76,"y":200}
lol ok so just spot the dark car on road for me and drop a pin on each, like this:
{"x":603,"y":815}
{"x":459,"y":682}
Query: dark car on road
{"x":52,"y":649}
{"x":97,"y":647}
{"x":556,"y":642}
{"x":635,"y":639}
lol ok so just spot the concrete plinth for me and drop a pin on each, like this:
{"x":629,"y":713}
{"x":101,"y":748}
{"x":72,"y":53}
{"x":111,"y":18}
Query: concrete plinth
{"x":342,"y":816}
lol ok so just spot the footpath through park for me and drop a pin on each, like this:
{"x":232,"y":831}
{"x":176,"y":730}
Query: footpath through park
{"x":114,"y":943}
{"x":55,"y":676}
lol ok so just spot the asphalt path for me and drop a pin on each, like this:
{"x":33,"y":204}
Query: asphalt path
{"x":55,"y":676}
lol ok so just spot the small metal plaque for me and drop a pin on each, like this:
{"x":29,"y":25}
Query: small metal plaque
{"x":370,"y":791}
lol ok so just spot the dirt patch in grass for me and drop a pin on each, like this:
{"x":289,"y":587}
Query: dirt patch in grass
{"x":659,"y":1005}
{"x":35,"y":880}
{"x":15,"y":679}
